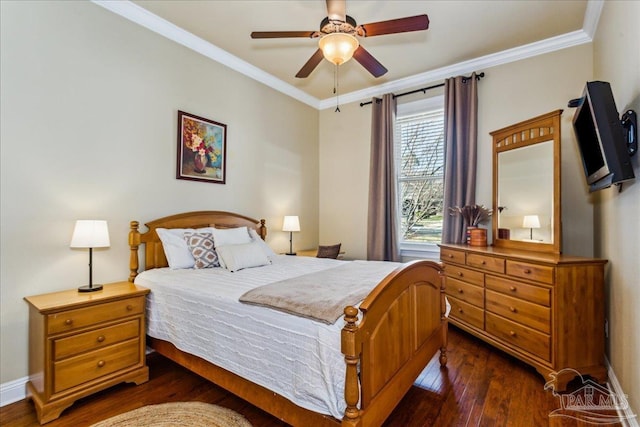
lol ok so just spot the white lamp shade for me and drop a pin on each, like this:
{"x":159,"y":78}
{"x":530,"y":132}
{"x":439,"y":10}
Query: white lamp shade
{"x":338,"y":48}
{"x":90,"y":234}
{"x":291,"y":223}
{"x":531,"y":221}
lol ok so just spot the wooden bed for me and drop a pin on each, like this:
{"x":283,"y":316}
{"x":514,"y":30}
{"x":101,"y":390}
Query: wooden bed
{"x":386,"y":343}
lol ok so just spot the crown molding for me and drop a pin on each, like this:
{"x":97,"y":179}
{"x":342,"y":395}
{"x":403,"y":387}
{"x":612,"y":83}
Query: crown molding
{"x":142,"y":17}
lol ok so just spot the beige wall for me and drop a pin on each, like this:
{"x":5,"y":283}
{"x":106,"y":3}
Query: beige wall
{"x":508,"y":94}
{"x":89,"y":106}
{"x":617,"y":218}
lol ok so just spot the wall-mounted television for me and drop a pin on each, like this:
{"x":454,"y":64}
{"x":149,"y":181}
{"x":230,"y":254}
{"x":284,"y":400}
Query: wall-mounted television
{"x":601,"y":138}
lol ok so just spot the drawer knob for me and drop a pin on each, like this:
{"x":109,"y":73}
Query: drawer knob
{"x":513,"y":309}
{"x":512,"y":333}
{"x":512,"y":288}
{"x":68,"y":322}
{"x":450,"y":256}
{"x":101,"y":338}
{"x":101,"y":363}
{"x":460,"y":273}
{"x":460,"y":291}
{"x":129,"y":307}
{"x":484,"y":263}
{"x":460,"y":310}
{"x":527,"y":271}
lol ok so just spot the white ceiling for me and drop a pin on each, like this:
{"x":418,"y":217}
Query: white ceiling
{"x":463,"y":36}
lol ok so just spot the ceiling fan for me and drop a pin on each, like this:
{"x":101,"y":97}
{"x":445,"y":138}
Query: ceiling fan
{"x":338,"y":42}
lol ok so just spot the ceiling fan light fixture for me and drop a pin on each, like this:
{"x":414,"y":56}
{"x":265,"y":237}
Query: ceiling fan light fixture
{"x":338,"y":48}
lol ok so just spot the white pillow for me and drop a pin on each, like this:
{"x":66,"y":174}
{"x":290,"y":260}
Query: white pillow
{"x":231,"y":236}
{"x":263,"y":245}
{"x":175,"y":247}
{"x":237,"y":257}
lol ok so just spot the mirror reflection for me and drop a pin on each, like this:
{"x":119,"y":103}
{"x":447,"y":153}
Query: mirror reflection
{"x":525,"y":193}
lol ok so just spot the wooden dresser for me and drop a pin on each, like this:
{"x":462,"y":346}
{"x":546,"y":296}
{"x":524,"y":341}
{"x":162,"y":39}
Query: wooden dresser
{"x":545,"y":309}
{"x":80,"y":343}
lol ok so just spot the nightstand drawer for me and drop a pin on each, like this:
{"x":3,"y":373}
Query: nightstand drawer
{"x":82,"y":317}
{"x":535,"y":294}
{"x":485,"y":262}
{"x":465,"y":291}
{"x":449,"y":255}
{"x":76,"y":344}
{"x":465,"y":274}
{"x":528,"y":339}
{"x":539,"y":273}
{"x":467,"y":313}
{"x":81,"y":369}
{"x":526,"y":313}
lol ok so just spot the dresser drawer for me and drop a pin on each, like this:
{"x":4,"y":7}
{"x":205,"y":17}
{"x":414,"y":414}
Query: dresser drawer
{"x":527,"y":339}
{"x":535,"y":294}
{"x":449,"y":255}
{"x":464,"y":291}
{"x":486,"y":262}
{"x":526,"y":313}
{"x":76,"y":344}
{"x":465,"y":274}
{"x":539,"y":273}
{"x":82,"y":317}
{"x":467,"y":313}
{"x":89,"y":366}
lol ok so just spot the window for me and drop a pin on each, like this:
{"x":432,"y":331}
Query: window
{"x":420,"y":174}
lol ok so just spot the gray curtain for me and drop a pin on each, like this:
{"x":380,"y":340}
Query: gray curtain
{"x":382,"y":239}
{"x":460,"y":150}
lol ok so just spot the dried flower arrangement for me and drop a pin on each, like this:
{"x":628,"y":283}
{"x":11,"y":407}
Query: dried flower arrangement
{"x":472,"y":214}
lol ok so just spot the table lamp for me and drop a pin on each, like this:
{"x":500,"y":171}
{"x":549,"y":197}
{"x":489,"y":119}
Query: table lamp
{"x":291,"y":224}
{"x":531,"y":222}
{"x":90,"y":234}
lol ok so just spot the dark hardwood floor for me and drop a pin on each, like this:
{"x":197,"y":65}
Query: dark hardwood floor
{"x":481,"y":386}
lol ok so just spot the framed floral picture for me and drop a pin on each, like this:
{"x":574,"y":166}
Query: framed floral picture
{"x":202,"y":148}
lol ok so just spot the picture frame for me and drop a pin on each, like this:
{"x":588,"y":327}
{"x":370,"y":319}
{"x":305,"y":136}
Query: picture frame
{"x":202,"y":149}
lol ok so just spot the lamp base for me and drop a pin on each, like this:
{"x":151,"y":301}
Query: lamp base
{"x":88,"y":288}
{"x":290,"y":253}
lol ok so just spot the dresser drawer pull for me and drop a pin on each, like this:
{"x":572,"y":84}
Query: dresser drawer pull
{"x":450,"y":255}
{"x":68,"y":322}
{"x":101,"y":338}
{"x":527,"y":271}
{"x":460,"y":310}
{"x":460,"y":291}
{"x":101,"y":363}
{"x":512,"y":288}
{"x":129,"y":307}
{"x":513,"y":309}
{"x":484,"y":263}
{"x":512,"y":333}
{"x":460,"y":273}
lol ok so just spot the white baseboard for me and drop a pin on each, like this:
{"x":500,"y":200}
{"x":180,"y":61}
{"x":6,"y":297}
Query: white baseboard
{"x":627,"y":417}
{"x":13,"y":391}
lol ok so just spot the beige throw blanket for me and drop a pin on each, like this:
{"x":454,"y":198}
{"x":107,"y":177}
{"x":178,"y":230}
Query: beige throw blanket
{"x":324,"y":295}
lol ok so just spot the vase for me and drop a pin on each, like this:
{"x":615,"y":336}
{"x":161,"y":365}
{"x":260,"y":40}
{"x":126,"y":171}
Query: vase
{"x":478,"y":236}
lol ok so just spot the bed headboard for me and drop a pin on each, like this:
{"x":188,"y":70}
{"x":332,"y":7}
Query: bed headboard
{"x":154,"y":256}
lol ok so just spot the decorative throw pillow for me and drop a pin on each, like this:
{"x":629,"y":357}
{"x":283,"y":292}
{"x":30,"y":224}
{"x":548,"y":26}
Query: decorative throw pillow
{"x":331,"y":251}
{"x":175,"y":247}
{"x":202,"y":249}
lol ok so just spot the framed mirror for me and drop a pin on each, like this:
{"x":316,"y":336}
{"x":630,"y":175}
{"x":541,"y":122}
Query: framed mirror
{"x":526,"y":185}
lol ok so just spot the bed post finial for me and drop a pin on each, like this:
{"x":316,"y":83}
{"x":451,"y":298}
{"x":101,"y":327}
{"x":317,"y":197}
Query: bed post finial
{"x":134,"y":242}
{"x":263,"y":229}
{"x":351,"y":358}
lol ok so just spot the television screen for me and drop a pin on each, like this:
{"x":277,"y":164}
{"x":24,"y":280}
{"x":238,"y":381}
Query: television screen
{"x":601,"y":138}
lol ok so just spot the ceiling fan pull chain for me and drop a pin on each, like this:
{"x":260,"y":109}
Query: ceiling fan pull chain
{"x":336,"y":89}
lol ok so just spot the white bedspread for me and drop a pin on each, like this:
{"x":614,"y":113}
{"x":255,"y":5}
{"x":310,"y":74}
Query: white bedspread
{"x":299,"y":358}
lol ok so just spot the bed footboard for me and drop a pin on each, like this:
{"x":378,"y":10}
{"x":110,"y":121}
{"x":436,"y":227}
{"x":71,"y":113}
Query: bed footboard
{"x":403,"y":325}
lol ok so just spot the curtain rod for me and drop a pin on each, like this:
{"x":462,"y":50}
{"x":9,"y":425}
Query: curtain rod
{"x":425,"y":89}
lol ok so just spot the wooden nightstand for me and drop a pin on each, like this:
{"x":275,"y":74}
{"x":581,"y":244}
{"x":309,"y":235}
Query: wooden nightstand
{"x":81,"y":343}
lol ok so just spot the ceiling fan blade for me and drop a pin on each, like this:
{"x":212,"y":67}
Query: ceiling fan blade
{"x":369,"y":62}
{"x":393,"y":26}
{"x":337,"y":10}
{"x":311,"y":64}
{"x":282,"y":34}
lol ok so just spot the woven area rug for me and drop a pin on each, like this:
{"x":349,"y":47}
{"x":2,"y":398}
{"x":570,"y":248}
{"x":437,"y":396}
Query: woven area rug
{"x":192,"y":414}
